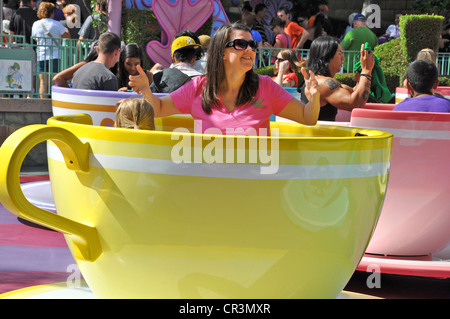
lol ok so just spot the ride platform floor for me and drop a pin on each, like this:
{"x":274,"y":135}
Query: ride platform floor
{"x":34,"y":258}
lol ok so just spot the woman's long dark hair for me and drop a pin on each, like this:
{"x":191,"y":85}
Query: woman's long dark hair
{"x":131,"y":50}
{"x":215,"y":70}
{"x":318,"y":25}
{"x":321,"y":52}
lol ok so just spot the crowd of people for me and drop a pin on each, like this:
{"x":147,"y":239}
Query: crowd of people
{"x":213,"y":79}
{"x":47,"y":22}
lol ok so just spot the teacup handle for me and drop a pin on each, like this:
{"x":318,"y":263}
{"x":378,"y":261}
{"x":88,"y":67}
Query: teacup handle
{"x":76,"y":154}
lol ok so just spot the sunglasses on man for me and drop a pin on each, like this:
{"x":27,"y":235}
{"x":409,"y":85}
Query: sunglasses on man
{"x":241,"y":44}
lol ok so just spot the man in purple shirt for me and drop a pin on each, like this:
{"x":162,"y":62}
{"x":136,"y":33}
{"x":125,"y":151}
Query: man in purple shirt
{"x":422,"y":79}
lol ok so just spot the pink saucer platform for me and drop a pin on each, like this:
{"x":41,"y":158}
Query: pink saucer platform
{"x":32,"y":255}
{"x":425,"y":266}
{"x":39,"y":193}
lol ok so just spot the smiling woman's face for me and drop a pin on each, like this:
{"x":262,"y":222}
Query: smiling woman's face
{"x":239,"y":59}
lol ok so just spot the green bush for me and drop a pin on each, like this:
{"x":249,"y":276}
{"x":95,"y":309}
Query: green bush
{"x":393,"y":62}
{"x":392,"y":58}
{"x":444,"y":80}
{"x":419,"y":32}
{"x":269,"y":71}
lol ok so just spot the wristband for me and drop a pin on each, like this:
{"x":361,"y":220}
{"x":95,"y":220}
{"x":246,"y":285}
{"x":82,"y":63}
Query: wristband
{"x":368,"y":76}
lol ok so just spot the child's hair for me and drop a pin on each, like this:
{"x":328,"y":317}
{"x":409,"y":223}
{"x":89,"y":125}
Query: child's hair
{"x":426,"y":54}
{"x":136,"y":113}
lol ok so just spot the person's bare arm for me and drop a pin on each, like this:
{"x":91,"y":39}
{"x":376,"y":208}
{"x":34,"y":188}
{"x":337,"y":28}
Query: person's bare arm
{"x":303,"y":37}
{"x":62,"y":77}
{"x":66,"y":34}
{"x":341,"y":97}
{"x":163,"y":106}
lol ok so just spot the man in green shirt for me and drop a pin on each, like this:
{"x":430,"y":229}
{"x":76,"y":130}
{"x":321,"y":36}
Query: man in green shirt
{"x":355,"y":38}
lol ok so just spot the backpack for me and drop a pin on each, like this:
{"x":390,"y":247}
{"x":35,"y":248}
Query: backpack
{"x":168,"y":80}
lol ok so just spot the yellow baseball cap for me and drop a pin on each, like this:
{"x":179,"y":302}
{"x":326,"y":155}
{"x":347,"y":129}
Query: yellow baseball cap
{"x":183,"y":42}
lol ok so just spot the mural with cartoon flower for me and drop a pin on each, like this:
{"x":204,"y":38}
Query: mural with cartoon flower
{"x":175,"y":16}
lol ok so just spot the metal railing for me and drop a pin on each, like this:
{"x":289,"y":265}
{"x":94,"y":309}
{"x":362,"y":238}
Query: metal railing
{"x":66,"y":51}
{"x":266,"y":56}
{"x":69,"y":53}
{"x":443,"y":62}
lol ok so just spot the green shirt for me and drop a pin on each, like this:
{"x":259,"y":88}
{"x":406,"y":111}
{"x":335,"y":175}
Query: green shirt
{"x":352,"y":42}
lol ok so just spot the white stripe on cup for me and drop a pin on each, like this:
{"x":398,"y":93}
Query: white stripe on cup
{"x":407,"y":133}
{"x":238,"y":171}
{"x":84,"y":99}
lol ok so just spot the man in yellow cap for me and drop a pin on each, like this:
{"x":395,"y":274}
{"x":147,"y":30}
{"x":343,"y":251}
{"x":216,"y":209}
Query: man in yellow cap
{"x":184,"y":54}
{"x":185,"y":51}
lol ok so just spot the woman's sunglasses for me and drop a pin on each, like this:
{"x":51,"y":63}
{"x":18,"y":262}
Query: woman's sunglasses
{"x":279,"y":60}
{"x":241,"y":44}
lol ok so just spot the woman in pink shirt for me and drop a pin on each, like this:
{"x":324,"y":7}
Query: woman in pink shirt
{"x":282,"y":39}
{"x":231,"y":96}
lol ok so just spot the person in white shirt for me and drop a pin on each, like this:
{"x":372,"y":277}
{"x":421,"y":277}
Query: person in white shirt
{"x":393,"y":31}
{"x":49,"y":33}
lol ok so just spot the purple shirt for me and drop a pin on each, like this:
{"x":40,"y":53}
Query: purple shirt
{"x":251,"y":117}
{"x":426,"y":103}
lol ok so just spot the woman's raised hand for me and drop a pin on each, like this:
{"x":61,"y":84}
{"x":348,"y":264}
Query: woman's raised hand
{"x":139,"y":82}
{"x":283,"y":66}
{"x":367,"y":60}
{"x":311,"y":84}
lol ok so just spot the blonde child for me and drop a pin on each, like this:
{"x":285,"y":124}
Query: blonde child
{"x":135,"y":113}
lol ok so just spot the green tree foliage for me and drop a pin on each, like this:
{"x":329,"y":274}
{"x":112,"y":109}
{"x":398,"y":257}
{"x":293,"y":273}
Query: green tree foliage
{"x":439,"y":7}
{"x":140,"y":26}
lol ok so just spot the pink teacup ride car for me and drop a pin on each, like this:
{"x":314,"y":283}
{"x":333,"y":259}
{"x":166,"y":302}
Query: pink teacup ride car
{"x":344,"y":116}
{"x":402,"y":93}
{"x":412,"y":235}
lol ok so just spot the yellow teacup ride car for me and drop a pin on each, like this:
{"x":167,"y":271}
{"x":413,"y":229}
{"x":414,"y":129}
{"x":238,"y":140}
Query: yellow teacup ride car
{"x":174,"y":214}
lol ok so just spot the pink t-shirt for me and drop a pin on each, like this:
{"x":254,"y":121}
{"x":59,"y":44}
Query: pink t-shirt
{"x":243,"y":120}
{"x":285,"y":39}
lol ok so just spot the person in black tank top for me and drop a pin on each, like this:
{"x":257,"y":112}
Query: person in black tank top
{"x":327,"y":112}
{"x":325,"y":60}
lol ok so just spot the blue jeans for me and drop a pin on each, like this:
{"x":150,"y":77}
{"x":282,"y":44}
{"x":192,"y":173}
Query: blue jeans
{"x":44,"y":66}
